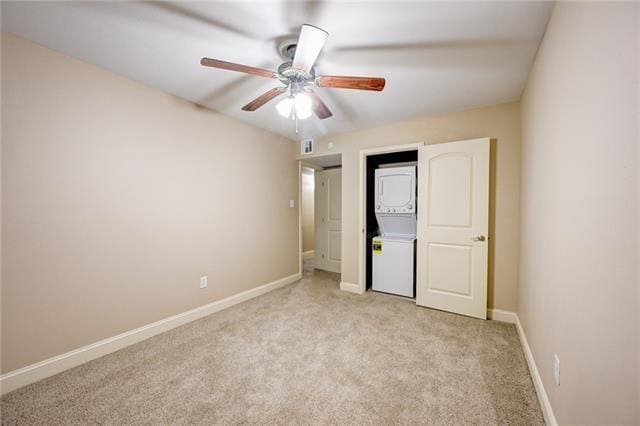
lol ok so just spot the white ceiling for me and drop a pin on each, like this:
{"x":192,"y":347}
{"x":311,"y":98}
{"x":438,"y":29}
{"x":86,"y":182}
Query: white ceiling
{"x":436,"y":57}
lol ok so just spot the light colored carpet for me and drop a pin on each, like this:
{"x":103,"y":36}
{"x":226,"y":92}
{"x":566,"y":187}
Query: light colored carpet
{"x":306,"y":353}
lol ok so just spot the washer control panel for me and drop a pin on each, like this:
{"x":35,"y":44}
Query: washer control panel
{"x":409,"y":208}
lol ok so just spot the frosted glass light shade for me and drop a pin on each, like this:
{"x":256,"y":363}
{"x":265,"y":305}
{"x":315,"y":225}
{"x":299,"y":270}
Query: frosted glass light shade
{"x":303,"y":105}
{"x":301,"y":102}
{"x":285,"y":106}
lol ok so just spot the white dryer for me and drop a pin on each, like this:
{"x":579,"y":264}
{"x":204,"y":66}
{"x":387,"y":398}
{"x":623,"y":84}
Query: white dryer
{"x":393,"y":251}
{"x":395,"y":195}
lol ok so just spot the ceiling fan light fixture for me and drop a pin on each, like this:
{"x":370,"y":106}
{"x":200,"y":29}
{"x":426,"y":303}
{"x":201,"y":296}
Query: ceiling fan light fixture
{"x":302,"y":103}
{"x":285,"y":106}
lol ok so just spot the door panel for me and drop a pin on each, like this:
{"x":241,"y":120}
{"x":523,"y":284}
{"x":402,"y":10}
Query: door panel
{"x":443,"y":278}
{"x":450,"y":190}
{"x":453,"y":226}
{"x":328,"y":217}
{"x":334,"y":186}
{"x":335,"y":246}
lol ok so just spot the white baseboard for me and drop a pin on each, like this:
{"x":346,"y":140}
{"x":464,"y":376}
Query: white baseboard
{"x":308,"y":254}
{"x":57,"y":364}
{"x":543,"y":398}
{"x":502,"y":316}
{"x":350,"y":287}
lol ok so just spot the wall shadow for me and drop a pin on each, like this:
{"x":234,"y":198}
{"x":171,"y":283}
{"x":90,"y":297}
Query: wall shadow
{"x":493,"y":165}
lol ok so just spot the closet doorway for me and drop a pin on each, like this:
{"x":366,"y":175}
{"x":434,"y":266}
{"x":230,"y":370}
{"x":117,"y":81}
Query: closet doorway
{"x":452,"y":224}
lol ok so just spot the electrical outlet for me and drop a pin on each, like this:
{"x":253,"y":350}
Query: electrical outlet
{"x":203,"y":282}
{"x":292,"y":203}
{"x":556,"y":369}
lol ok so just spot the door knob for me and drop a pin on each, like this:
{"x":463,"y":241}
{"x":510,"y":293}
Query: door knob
{"x":479,"y":238}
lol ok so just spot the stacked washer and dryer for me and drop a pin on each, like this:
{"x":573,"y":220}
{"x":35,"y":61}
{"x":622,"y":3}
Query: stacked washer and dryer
{"x":393,"y":251}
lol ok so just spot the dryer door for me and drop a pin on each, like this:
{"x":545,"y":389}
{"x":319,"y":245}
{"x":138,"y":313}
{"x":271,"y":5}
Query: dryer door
{"x":395,"y":190}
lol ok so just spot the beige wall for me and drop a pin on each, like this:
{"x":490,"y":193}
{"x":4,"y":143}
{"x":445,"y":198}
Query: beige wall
{"x":502,"y":124}
{"x":638,"y":204}
{"x":307,"y":205}
{"x":579,"y":258}
{"x":116,"y":198}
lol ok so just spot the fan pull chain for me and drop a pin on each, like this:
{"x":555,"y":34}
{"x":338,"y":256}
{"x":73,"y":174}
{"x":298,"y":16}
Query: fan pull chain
{"x":294,"y":116}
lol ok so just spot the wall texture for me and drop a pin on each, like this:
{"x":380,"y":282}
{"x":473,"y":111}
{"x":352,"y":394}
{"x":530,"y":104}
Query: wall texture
{"x":307,"y":206}
{"x":501,"y":123}
{"x":116,"y":198}
{"x":579,"y":255}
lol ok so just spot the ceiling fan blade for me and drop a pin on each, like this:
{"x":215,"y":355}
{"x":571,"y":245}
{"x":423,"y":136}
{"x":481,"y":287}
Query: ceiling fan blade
{"x":216,"y":63}
{"x":319,"y":107}
{"x":264,"y":98}
{"x":310,"y":44}
{"x":345,"y":82}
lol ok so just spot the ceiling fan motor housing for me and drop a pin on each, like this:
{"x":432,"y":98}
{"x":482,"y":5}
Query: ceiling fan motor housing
{"x":289,"y":74}
{"x":287,"y":48}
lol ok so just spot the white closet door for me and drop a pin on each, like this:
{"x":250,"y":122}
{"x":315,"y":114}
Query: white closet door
{"x":453,"y":225}
{"x":328,"y":218}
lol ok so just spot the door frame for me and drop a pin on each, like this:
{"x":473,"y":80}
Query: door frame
{"x":303,"y":161}
{"x":300,"y":271}
{"x":362,"y":182}
{"x":301,"y":164}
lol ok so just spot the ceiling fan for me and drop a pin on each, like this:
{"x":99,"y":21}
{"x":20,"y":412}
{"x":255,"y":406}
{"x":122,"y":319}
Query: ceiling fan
{"x":299,"y":76}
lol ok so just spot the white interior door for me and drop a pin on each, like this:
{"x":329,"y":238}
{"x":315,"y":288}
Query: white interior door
{"x":328,"y":218}
{"x":453,"y":224}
